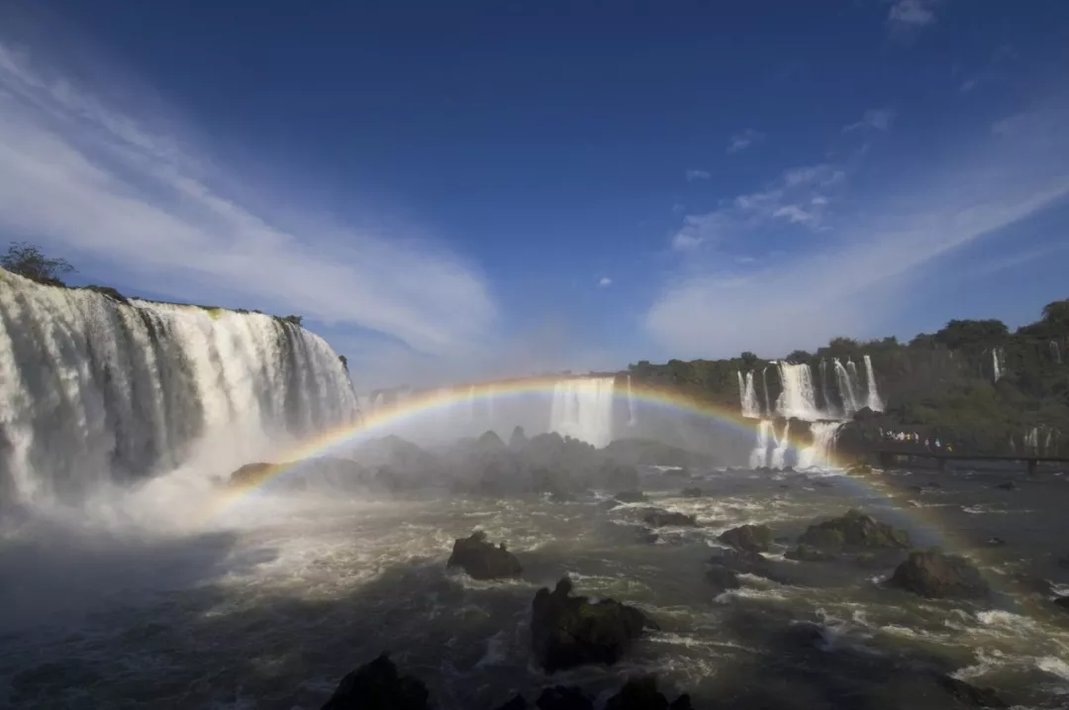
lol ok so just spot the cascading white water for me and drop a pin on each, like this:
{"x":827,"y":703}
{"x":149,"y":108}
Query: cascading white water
{"x":819,"y":452}
{"x":748,"y":396}
{"x":996,"y":365}
{"x":829,"y":403}
{"x":94,"y":391}
{"x":632,"y":417}
{"x":846,"y":389}
{"x":783,"y":443}
{"x":1055,"y":352}
{"x":873,"y":401}
{"x":760,"y":455}
{"x":798,"y":398}
{"x":764,"y":383}
{"x":582,"y":409}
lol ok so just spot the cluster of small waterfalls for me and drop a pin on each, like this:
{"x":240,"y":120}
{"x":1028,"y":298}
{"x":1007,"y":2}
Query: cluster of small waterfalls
{"x":824,"y":402}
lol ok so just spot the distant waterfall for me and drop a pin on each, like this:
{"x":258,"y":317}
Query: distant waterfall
{"x":996,"y":365}
{"x":820,"y":451}
{"x":873,"y":402}
{"x":748,"y":396}
{"x":783,"y":443}
{"x":582,"y":409}
{"x":829,"y":404}
{"x":632,"y":417}
{"x":846,"y":389}
{"x":760,"y":456}
{"x":798,"y":398}
{"x":764,"y":383}
{"x":94,"y":391}
{"x":1055,"y":352}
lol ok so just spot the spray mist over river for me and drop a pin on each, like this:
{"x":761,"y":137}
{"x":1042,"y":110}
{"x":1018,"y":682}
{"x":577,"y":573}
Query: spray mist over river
{"x":135,"y":575}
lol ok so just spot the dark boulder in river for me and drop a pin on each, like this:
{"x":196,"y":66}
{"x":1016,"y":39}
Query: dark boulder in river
{"x":969,"y":695}
{"x":377,"y":686}
{"x":937,"y":576}
{"x":852,"y":532}
{"x":482,"y":560}
{"x":808,"y":553}
{"x":752,"y":538}
{"x":642,"y":694}
{"x":1063,"y":603}
{"x":569,"y":631}
{"x":658,"y":518}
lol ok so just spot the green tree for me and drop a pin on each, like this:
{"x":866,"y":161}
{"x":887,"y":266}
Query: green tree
{"x":27,"y":260}
{"x":1057,"y":314}
{"x":958,"y":333}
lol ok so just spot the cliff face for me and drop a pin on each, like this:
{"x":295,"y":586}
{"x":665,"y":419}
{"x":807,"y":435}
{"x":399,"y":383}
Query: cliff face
{"x":973,"y":385}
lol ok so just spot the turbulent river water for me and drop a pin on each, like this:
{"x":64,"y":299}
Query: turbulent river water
{"x":270,"y":603}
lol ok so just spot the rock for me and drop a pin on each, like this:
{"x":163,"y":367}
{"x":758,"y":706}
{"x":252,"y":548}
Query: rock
{"x":642,"y":694}
{"x":564,"y":698}
{"x":724,"y":568}
{"x":753,"y":538}
{"x":517,"y":702}
{"x":1062,"y":603}
{"x":481,"y":560}
{"x":1007,"y":486}
{"x":995,"y":541}
{"x":377,"y":686}
{"x":631,"y":497}
{"x":692,"y":493}
{"x":970,"y":695}
{"x":937,"y":576}
{"x":569,"y":631}
{"x":660,"y":518}
{"x":251,"y":474}
{"x":559,"y":496}
{"x":808,"y":553}
{"x":853,"y":531}
{"x":722,"y":579}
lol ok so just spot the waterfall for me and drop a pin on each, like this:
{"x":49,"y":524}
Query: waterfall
{"x":798,"y":398}
{"x":846,"y":388}
{"x":1031,"y":441}
{"x":819,"y":452}
{"x":748,"y":396}
{"x":1055,"y":352}
{"x":779,"y":454}
{"x":632,"y":417}
{"x":582,"y":409}
{"x":764,"y":382}
{"x":829,"y":404}
{"x":874,"y":402}
{"x":996,"y":366}
{"x":759,"y":457}
{"x":94,"y":391}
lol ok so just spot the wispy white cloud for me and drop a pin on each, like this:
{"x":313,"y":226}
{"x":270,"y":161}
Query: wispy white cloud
{"x":696,"y":174}
{"x":869,"y":256}
{"x":968,"y":85}
{"x":604,"y":282}
{"x":911,"y":15}
{"x":89,"y":178}
{"x":879,"y":119}
{"x":741,"y":141}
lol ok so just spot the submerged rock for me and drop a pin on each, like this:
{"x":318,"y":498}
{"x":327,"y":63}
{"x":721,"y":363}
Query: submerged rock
{"x":569,"y":631}
{"x":1062,"y":602}
{"x":660,"y":518}
{"x":937,"y":576}
{"x":642,"y":694}
{"x":1007,"y":486}
{"x":251,"y":474}
{"x":808,"y":553}
{"x":563,"y":697}
{"x":692,"y":493}
{"x":724,"y":568}
{"x":377,"y":686}
{"x":631,"y":497}
{"x":481,"y":560}
{"x":853,"y":531}
{"x":752,"y":538}
{"x":970,"y":695}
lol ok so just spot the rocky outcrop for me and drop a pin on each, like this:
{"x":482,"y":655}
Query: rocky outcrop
{"x":752,"y":538}
{"x":1062,"y":603}
{"x":251,"y":474}
{"x":969,"y":695}
{"x":853,"y":532}
{"x":482,"y":560}
{"x":568,"y":631}
{"x":658,"y":518}
{"x":937,"y":576}
{"x":808,"y":553}
{"x":724,"y":568}
{"x":642,"y":694}
{"x":378,"y":686}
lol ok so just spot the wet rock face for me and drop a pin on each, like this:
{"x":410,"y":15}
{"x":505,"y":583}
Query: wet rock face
{"x":752,"y":538}
{"x":568,"y":631}
{"x":661,"y":518}
{"x":642,"y":694}
{"x":378,"y":686}
{"x":853,"y":532}
{"x":482,"y":560}
{"x":969,"y":695}
{"x":937,"y":576}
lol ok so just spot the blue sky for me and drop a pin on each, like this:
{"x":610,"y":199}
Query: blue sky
{"x":446,"y":190}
